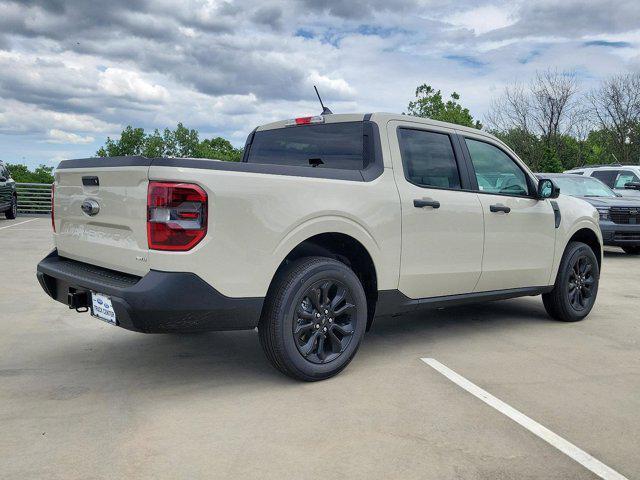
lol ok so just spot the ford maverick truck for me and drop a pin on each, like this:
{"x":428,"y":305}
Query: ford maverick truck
{"x":326,"y":223}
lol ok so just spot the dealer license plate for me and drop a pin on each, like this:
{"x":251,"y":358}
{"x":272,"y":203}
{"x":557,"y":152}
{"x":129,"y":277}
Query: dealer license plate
{"x":102,"y":308}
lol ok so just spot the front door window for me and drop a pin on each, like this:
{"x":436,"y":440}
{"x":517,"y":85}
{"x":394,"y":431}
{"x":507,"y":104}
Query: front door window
{"x":496,"y":172}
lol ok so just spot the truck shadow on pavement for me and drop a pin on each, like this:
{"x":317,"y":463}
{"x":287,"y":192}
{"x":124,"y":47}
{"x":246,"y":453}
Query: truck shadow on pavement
{"x":220,"y":359}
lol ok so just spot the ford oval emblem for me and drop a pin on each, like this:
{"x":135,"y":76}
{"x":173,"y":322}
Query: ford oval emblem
{"x":90,"y":207}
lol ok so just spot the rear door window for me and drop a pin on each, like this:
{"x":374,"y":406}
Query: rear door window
{"x":329,"y":145}
{"x":428,"y":159}
{"x":608,"y":177}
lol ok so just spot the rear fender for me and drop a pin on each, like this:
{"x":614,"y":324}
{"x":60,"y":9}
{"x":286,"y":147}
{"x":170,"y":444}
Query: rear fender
{"x":329,"y":224}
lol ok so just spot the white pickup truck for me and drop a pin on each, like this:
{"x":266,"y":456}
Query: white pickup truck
{"x":327,"y":222}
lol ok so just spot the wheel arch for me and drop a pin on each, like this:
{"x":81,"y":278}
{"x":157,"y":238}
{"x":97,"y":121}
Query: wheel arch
{"x":590,"y":237}
{"x":346,"y":249}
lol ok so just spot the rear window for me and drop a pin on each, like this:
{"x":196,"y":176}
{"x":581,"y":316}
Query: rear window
{"x":329,"y":145}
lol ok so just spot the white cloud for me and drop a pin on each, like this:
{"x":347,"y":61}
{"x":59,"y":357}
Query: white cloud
{"x":20,"y":118}
{"x":60,"y":136}
{"x":130,"y":84}
{"x":224,"y":67}
{"x":337,"y":86}
{"x":483,"y":19}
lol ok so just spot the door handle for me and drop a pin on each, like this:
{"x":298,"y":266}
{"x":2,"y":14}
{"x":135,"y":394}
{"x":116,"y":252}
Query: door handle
{"x":426,"y":203}
{"x":499,"y":208}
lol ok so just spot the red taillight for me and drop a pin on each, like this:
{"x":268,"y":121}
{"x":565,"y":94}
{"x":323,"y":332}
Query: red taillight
{"x":176,"y":216}
{"x":53,"y":209}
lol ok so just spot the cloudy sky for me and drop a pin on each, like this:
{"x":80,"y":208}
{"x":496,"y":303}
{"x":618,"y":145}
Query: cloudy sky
{"x":73,"y":72}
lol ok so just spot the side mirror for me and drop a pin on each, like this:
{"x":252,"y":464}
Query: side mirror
{"x":547,"y":189}
{"x":632,"y":186}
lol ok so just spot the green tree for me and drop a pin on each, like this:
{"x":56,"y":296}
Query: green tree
{"x":569,"y":151}
{"x":429,"y":104}
{"x":550,"y":162}
{"x":21,"y":173}
{"x":548,"y":113}
{"x":599,"y":147}
{"x":527,"y":145}
{"x":43,"y":174}
{"x":131,"y":142}
{"x":181,"y":142}
{"x":186,"y":140}
{"x":219,"y":148}
{"x":154,"y":145}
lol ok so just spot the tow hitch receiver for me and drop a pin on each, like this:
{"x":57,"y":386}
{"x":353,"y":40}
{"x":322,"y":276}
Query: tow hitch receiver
{"x":78,"y":300}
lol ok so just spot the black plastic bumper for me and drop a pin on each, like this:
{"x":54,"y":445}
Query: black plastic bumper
{"x":620,"y":235}
{"x":159,"y":302}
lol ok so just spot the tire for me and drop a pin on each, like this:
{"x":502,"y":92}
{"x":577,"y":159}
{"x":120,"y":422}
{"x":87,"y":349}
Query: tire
{"x":297,"y":336}
{"x":13,"y":209}
{"x":576,"y":287}
{"x":631,"y":250}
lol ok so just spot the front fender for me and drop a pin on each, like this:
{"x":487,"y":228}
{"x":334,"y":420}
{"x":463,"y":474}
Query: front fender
{"x":576,"y":215}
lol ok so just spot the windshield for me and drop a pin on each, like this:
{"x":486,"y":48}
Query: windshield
{"x":583,"y":187}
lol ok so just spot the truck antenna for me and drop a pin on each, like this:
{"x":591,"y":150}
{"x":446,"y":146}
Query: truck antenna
{"x":325,"y":110}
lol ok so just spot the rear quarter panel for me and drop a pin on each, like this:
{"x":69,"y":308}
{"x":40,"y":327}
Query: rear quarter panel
{"x":256,"y":219}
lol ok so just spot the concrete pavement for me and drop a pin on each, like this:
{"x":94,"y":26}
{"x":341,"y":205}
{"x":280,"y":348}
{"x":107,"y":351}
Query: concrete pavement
{"x":82,"y":399}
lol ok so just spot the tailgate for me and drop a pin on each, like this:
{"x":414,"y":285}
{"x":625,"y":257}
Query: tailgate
{"x":115,"y":235}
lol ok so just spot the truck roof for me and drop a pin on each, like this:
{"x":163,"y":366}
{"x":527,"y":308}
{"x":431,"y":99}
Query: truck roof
{"x":380,"y":117}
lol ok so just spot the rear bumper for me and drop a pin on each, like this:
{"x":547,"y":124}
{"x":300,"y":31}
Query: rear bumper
{"x":620,"y":235}
{"x":159,"y":302}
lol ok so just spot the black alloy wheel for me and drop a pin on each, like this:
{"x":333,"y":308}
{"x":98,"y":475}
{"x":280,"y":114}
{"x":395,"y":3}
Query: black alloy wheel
{"x":581,"y":282}
{"x":325,"y":321}
{"x":576,"y":287}
{"x":314,"y":318}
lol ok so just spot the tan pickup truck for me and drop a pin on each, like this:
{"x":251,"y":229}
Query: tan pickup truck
{"x":327,"y":222}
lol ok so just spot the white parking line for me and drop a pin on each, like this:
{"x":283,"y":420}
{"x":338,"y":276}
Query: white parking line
{"x":19,"y":223}
{"x":31,"y":229}
{"x":568,"y":448}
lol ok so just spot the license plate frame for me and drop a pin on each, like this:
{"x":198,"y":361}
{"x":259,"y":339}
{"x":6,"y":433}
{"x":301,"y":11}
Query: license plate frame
{"x":102,"y":308}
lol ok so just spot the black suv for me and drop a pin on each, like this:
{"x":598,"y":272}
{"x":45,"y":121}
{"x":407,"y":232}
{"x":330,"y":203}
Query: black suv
{"x":8,"y":195}
{"x":619,"y":216}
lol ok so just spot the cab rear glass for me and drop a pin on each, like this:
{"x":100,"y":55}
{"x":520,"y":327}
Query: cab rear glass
{"x":328,"y":145}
